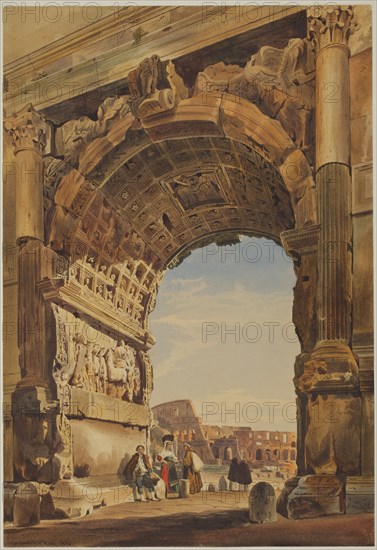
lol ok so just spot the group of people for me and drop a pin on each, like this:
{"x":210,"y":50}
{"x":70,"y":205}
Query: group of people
{"x":139,"y":468}
{"x":239,"y":472}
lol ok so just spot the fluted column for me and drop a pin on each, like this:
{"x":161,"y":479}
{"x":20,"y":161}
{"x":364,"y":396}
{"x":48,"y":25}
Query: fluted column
{"x":330,"y":376}
{"x":29,"y":131}
{"x":329,"y":29}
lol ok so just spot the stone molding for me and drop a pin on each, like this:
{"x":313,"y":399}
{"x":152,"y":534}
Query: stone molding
{"x":187,"y":33}
{"x":300,"y":241}
{"x":362,"y":188}
{"x":86,"y":404}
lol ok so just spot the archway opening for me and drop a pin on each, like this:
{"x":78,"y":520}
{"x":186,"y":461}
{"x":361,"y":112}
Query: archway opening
{"x":225,"y":351}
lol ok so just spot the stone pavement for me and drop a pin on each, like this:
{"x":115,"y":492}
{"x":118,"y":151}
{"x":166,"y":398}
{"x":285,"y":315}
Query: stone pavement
{"x":212,"y":519}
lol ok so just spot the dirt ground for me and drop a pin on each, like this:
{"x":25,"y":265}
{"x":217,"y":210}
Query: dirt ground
{"x":206,"y":519}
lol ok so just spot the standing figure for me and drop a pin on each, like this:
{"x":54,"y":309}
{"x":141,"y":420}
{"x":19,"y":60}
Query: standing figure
{"x":96,"y":367}
{"x":89,"y":367}
{"x":189,"y":470}
{"x":233,"y":474}
{"x":139,"y":469}
{"x":168,"y":461}
{"x":149,"y":75}
{"x":102,"y":370}
{"x":79,"y":377}
{"x":244,"y":475}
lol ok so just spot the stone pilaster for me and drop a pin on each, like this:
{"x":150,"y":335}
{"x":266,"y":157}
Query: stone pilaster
{"x":35,"y":262}
{"x":302,"y":246}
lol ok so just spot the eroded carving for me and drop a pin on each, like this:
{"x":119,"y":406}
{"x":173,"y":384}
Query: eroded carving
{"x":28,"y":129}
{"x":155,"y":87}
{"x":330,"y":24}
{"x":279,"y":81}
{"x":74,"y":135}
{"x":92,"y":361}
{"x":199,"y":188}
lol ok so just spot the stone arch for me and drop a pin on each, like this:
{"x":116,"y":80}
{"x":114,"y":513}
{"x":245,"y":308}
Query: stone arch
{"x":259,"y":142}
{"x":228,"y":453}
{"x":216,"y":115}
{"x":249,"y":176}
{"x":75,"y":183}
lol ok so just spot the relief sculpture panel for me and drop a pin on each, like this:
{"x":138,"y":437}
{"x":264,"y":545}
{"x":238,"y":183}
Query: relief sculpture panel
{"x":90,"y":360}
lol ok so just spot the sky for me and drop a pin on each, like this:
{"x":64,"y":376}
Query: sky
{"x":225,"y":338}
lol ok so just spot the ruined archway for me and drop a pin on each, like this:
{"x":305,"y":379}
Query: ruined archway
{"x":162,"y":170}
{"x":118,"y":214}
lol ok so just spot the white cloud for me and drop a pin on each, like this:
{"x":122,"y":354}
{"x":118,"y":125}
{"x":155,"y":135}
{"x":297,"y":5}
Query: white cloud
{"x":191,"y":314}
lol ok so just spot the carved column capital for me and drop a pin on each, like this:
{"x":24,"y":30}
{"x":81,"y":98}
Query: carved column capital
{"x":330,"y":25}
{"x":28,"y":130}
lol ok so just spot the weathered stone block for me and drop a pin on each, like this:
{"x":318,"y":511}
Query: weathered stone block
{"x":8,"y":502}
{"x":333,"y":436}
{"x":359,"y":495}
{"x":282,"y":501}
{"x":223,"y":485}
{"x":184,"y":488}
{"x":315,"y":496}
{"x":72,"y":499}
{"x":262,"y":503}
{"x":27,"y":505}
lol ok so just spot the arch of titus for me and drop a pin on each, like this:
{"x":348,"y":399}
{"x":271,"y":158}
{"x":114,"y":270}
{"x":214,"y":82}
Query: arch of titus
{"x":121,"y":157}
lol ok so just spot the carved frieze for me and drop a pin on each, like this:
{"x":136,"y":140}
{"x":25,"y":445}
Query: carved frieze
{"x":93,"y":361}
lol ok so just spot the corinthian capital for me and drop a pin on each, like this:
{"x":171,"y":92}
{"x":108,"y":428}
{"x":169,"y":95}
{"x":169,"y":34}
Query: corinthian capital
{"x":330,"y":24}
{"x":28,"y":129}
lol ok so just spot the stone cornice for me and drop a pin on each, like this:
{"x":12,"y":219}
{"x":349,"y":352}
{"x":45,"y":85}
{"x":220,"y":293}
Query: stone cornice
{"x":183,"y":36}
{"x":300,"y":241}
{"x":55,"y":290}
{"x":82,"y":38}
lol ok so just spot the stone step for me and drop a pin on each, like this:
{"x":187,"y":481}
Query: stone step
{"x":76,"y":498}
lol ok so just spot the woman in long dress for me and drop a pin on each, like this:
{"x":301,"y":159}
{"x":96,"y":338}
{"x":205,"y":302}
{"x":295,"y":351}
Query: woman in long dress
{"x":188,"y":470}
{"x":168,"y":469}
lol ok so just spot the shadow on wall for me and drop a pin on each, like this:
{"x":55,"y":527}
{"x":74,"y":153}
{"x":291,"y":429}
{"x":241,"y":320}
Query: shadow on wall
{"x":122,"y":465}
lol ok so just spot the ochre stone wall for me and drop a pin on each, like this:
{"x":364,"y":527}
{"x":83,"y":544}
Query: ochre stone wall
{"x":105,"y":447}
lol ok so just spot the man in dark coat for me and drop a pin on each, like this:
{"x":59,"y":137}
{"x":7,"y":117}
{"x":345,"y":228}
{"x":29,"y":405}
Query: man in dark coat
{"x":244,"y":475}
{"x":233,"y":472}
{"x":140,"y":469}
